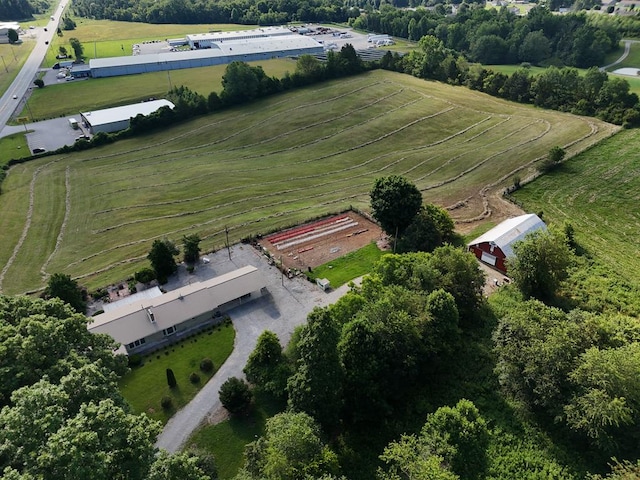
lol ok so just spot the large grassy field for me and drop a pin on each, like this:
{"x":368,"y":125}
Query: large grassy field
{"x":94,"y":214}
{"x":12,"y":58}
{"x":598,"y":193}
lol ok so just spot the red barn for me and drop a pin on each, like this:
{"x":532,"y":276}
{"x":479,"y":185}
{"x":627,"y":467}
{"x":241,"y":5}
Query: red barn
{"x":496,"y":246}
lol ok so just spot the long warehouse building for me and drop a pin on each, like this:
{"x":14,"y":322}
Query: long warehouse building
{"x":212,"y":49}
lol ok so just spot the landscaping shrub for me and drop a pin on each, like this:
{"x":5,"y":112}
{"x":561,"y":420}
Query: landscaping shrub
{"x":171,"y":378}
{"x":194,"y":378}
{"x":206,"y":365}
{"x":135,"y":360}
{"x":145,"y":275}
{"x":235,"y":395}
{"x":166,"y":403}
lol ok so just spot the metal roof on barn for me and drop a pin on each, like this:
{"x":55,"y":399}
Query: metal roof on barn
{"x":511,"y":231}
{"x":125,"y":112}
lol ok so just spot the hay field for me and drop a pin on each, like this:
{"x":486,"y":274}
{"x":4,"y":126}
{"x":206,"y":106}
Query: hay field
{"x":598,"y":193}
{"x":271,"y":164}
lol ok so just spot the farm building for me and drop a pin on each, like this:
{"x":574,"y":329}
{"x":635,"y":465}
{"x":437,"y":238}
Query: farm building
{"x":211,"y":49}
{"x":495,"y":247}
{"x":118,"y":118}
{"x":154,"y":321}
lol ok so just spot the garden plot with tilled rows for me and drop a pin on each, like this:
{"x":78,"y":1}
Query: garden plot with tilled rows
{"x":313,"y":244}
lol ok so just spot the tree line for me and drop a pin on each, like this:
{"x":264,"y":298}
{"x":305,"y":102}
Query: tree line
{"x":593,"y":94}
{"x":248,"y":12}
{"x":501,"y":37}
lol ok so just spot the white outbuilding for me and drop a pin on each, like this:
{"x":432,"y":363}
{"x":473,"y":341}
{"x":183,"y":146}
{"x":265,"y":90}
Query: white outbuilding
{"x":119,"y":118}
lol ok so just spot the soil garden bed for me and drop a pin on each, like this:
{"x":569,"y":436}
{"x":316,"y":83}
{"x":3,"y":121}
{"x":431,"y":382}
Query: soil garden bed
{"x":312,"y":244}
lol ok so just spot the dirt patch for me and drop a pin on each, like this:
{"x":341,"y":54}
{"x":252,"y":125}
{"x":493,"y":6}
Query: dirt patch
{"x":494,"y":279}
{"x":313,"y":244}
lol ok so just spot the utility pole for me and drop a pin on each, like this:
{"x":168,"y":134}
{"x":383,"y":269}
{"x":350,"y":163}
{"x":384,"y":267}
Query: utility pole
{"x":5,"y":64}
{"x":226,"y":232}
{"x":281,"y":271}
{"x":26,"y":102}
{"x":169,"y":77}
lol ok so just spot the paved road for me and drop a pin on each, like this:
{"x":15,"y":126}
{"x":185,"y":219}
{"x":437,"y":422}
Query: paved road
{"x":27,"y":74}
{"x":281,"y":310}
{"x":625,"y":54}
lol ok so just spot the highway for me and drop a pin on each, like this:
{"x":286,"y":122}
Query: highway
{"x":26,"y":76}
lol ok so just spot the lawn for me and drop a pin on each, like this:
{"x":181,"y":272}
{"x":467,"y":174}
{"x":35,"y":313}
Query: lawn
{"x":226,"y":440}
{"x":597,"y":192}
{"x":143,"y":387}
{"x":13,"y":147}
{"x":352,"y":265}
{"x":265,"y":166}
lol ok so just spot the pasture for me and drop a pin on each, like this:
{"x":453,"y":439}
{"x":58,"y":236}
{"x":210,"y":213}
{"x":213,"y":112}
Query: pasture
{"x":597,"y":192}
{"x":274,"y":163}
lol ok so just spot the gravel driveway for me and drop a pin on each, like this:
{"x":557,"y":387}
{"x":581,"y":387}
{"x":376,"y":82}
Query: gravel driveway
{"x":281,"y":310}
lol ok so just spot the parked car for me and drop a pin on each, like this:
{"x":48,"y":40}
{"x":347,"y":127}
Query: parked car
{"x":69,"y":78}
{"x":38,"y":150}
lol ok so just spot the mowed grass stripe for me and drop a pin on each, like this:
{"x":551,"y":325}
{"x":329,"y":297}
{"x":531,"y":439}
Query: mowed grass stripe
{"x":597,"y":192}
{"x":47,"y":213}
{"x":125,"y":195}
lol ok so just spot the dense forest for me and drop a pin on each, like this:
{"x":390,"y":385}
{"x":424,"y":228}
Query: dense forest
{"x":209,"y":11}
{"x":15,"y":9}
{"x":500,"y":37}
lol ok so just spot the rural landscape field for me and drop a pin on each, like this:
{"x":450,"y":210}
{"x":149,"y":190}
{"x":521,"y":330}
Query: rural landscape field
{"x":93,"y":215}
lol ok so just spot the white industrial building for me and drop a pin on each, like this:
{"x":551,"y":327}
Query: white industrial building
{"x":118,"y":118}
{"x":212,"y":49}
{"x":151,"y":322}
{"x":4,"y":30}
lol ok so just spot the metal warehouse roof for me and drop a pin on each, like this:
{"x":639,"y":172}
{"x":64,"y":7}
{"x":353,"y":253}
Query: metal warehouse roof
{"x":118,"y":114}
{"x":132,"y":322}
{"x":233,"y":47}
{"x":510,"y":231}
{"x":228,"y":36}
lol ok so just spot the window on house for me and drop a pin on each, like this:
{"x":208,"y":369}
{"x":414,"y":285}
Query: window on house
{"x":169,"y":331}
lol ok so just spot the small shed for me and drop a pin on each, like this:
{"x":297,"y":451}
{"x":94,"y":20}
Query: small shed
{"x":495,"y":247}
{"x":323,"y":283}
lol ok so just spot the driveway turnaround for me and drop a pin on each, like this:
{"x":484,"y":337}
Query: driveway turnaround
{"x":281,"y":310}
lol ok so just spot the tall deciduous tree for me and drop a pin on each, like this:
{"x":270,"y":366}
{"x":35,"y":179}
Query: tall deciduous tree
{"x":101,"y":442}
{"x":162,"y":259}
{"x":431,"y":228}
{"x":453,"y":442}
{"x":239,"y":83}
{"x":66,"y":289}
{"x":46,"y":337}
{"x":314,"y":388}
{"x":540,"y":264}
{"x":291,"y":449}
{"x":266,"y":367}
{"x":180,"y":466}
{"x":77,"y":47}
{"x":395,"y":203}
